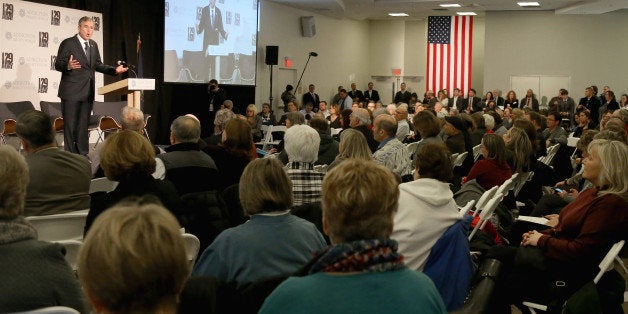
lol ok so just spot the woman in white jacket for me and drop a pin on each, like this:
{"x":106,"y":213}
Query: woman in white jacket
{"x":426,"y":206}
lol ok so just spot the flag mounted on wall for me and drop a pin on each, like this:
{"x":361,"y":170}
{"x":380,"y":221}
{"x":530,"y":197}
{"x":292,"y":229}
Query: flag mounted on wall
{"x":449,"y":43}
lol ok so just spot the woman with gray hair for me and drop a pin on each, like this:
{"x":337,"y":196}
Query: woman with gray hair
{"x":272,"y":242}
{"x":222,"y":117}
{"x":36,"y":274}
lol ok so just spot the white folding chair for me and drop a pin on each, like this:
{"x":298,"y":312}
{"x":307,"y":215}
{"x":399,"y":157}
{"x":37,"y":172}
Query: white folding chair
{"x":460,"y":159}
{"x":605,"y":265}
{"x":102,"y":185}
{"x":68,"y":226}
{"x":453,"y":157}
{"x":465,"y":210}
{"x":551,"y":152}
{"x":72,"y":248}
{"x":477,"y":152}
{"x":486,"y":196}
{"x":508,"y":184}
{"x":521,"y":181}
{"x":51,"y":310}
{"x":192,"y":245}
{"x":486,"y":214}
{"x":335,"y":131}
{"x":411,"y":147}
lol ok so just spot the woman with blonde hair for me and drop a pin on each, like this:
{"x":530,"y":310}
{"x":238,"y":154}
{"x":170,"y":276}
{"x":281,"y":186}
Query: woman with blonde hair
{"x":520,"y":151}
{"x":133,"y":260}
{"x":255,"y":121}
{"x":352,"y":145}
{"x":129,"y":158}
{"x":587,"y":227}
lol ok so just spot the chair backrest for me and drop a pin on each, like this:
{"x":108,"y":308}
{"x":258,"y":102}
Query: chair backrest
{"x":453,"y":157}
{"x":486,"y":213}
{"x":335,"y":131}
{"x":465,"y":210}
{"x":521,"y":180}
{"x":68,"y":226}
{"x":486,"y":196}
{"x":508,"y":184}
{"x":11,"y":110}
{"x":192,"y":245}
{"x":551,"y":153}
{"x":72,"y":248}
{"x":53,"y":109}
{"x":460,"y":159}
{"x":607,"y":262}
{"x":110,"y":109}
{"x":51,"y":310}
{"x":477,"y":152}
{"x":102,"y":185}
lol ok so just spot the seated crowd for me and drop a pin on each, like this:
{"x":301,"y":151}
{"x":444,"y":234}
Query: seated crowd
{"x":364,"y":218}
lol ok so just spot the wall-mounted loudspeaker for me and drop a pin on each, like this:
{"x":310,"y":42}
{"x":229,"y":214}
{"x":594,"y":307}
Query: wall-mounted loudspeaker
{"x":308,"y":28}
{"x":272,"y":53}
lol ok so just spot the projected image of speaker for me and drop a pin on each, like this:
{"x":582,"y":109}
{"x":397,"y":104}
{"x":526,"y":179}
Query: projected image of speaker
{"x":272,"y":55}
{"x":308,"y":28}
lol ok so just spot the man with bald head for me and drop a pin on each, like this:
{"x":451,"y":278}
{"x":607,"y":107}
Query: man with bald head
{"x":390,"y":152}
{"x":529,"y":101}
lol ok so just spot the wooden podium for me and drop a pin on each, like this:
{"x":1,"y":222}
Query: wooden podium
{"x":131,"y":87}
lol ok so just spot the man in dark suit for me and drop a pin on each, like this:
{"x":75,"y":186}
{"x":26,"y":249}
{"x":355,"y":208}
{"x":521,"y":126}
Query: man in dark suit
{"x":77,"y":59}
{"x":499,"y":100}
{"x":457,"y":101}
{"x":403,"y":95}
{"x":355,"y":93}
{"x":311,"y":98}
{"x":529,"y":101}
{"x":473,"y":103}
{"x":590,"y":102}
{"x":212,"y":28}
{"x":371,"y":94}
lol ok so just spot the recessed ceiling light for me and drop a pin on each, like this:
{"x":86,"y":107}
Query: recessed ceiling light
{"x":529,"y":4}
{"x":466,"y":13}
{"x":450,"y":5}
{"x":398,"y":14}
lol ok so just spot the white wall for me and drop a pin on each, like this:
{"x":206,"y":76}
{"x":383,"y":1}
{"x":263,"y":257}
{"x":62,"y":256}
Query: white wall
{"x":341,"y":45}
{"x":591,"y":49}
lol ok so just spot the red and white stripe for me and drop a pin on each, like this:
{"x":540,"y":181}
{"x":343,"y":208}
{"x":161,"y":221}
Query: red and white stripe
{"x":449,"y":65}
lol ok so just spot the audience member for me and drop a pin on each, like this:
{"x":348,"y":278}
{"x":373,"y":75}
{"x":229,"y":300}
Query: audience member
{"x":267,"y":115}
{"x":134,"y":260}
{"x":272,"y":242}
{"x":493,"y":169}
{"x":362,"y":271}
{"x":360,"y":121}
{"x":428,"y":128}
{"x":554,"y":134}
{"x":36,"y":273}
{"x":302,"y":143}
{"x":352,"y":145}
{"x":586,"y":229}
{"x":222,"y":117}
{"x":255,"y":121}
{"x":479,"y":130}
{"x":403,"y":128}
{"x":59,"y":180}
{"x":328,"y":149}
{"x":391,"y":152}
{"x":129,"y":158}
{"x":234,"y":153}
{"x":189,"y":169}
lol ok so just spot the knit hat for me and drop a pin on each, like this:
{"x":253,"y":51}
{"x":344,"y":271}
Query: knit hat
{"x":456,"y":122}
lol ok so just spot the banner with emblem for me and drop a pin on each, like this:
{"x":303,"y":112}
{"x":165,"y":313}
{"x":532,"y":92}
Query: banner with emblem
{"x":30,"y":34}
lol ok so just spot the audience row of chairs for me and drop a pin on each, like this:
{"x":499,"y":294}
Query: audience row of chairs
{"x":106,"y":117}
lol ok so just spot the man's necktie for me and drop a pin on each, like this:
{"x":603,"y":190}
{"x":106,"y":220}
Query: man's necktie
{"x":87,"y":51}
{"x":212,"y":19}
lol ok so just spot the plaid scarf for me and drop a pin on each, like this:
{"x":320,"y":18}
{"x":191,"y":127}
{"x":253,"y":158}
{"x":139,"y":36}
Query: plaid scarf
{"x":376,"y":255}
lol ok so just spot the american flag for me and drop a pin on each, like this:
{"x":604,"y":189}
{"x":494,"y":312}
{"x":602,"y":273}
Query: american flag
{"x":449,"y":53}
